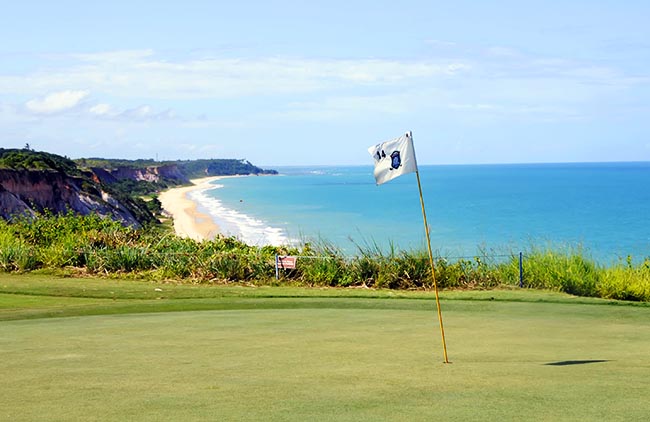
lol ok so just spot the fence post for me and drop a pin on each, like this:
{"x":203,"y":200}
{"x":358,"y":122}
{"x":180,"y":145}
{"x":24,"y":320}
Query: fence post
{"x":521,"y":269}
{"x":277,"y":271}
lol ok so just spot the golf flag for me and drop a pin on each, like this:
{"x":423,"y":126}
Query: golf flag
{"x":394,"y":158}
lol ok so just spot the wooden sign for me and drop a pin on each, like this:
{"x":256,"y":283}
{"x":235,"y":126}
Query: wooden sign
{"x":287,"y":262}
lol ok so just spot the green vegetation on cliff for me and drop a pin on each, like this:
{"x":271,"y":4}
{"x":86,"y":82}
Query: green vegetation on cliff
{"x":222,"y":167}
{"x":189,"y":168}
{"x":26,"y":159}
{"x":112,"y":163}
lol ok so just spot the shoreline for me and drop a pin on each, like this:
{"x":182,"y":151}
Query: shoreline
{"x":188,"y":220}
{"x":191,"y":222}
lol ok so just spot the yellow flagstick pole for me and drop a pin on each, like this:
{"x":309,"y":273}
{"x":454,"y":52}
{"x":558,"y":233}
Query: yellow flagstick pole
{"x":433,"y":274}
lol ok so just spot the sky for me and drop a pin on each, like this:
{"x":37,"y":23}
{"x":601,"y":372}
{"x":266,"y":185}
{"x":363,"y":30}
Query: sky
{"x":318,"y":82}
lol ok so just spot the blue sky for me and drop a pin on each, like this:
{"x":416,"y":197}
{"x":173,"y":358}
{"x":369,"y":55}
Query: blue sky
{"x":295,"y":82}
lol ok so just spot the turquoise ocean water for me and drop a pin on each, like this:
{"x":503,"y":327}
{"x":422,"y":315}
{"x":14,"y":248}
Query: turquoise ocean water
{"x":602,"y":207}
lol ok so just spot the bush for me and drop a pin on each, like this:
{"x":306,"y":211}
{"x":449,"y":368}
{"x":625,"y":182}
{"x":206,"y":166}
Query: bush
{"x":102,"y":246}
{"x":567,"y":271}
{"x":15,"y":254}
{"x":626,"y":282}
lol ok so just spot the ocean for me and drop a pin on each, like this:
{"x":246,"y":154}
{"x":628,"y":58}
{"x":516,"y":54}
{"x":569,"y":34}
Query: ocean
{"x":601,"y":208}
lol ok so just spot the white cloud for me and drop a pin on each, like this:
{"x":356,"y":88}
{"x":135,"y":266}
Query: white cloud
{"x":490,"y":82}
{"x":118,"y":56}
{"x":56,"y":102}
{"x":456,"y":106}
{"x":500,"y":77}
{"x":101,"y":110}
{"x":502,"y":52}
{"x":440,"y":43}
{"x":138,"y":114}
{"x":140,"y":74}
{"x":141,"y":112}
{"x":146,"y":113}
{"x":350,"y":107}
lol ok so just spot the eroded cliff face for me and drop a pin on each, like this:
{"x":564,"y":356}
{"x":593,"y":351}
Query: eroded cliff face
{"x":148,"y":174}
{"x":27,"y":191}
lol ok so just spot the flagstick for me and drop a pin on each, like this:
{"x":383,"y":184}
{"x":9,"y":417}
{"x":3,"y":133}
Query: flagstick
{"x":433,"y":274}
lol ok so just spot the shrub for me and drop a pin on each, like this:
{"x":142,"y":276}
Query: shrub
{"x":567,"y":271}
{"x":15,"y":254}
{"x":626,"y":282}
{"x":102,"y":246}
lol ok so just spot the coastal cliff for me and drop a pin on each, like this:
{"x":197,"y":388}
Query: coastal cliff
{"x":35,"y":191}
{"x":175,"y":172}
{"x":152,"y":174}
{"x":33,"y":182}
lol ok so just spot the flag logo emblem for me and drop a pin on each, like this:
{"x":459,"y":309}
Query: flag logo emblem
{"x":395,"y":160}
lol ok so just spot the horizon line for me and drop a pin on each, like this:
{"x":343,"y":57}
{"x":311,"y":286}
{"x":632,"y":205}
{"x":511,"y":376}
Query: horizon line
{"x":467,"y":164}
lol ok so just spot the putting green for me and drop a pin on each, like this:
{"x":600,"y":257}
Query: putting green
{"x":324,"y":360}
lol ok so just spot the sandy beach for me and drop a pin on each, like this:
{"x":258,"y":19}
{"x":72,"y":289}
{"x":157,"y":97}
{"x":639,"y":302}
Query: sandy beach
{"x":188,"y":220}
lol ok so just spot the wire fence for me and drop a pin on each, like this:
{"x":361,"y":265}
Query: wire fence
{"x":290,"y":262}
{"x":394,"y":270}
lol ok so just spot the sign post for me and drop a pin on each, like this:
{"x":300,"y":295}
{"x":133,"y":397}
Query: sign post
{"x":285,"y":262}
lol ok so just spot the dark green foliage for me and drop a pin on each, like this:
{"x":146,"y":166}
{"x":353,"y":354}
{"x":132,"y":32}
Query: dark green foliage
{"x":154,"y":205}
{"x":130,"y":192}
{"x":140,"y":187}
{"x":477,"y":273}
{"x":189,"y":168}
{"x":26,"y":159}
{"x":323,"y":271}
{"x":219,"y":167}
{"x":111,"y":163}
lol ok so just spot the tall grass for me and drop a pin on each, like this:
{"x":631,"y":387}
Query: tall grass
{"x":92,"y":245}
{"x":15,"y":254}
{"x":567,"y":271}
{"x":626,"y":282}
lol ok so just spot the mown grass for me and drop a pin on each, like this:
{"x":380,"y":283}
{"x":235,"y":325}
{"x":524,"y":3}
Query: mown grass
{"x":88,"y":245}
{"x":291,"y":353}
{"x":31,"y":296}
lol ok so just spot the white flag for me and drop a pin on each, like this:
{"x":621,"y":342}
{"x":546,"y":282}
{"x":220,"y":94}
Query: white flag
{"x":394,"y":158}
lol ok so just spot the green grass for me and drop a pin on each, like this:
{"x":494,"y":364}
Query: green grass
{"x":244,"y":353}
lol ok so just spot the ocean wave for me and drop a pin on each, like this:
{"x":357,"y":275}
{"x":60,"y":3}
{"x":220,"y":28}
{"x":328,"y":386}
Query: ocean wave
{"x":250,"y":230}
